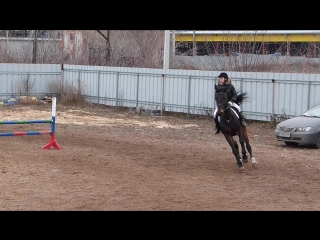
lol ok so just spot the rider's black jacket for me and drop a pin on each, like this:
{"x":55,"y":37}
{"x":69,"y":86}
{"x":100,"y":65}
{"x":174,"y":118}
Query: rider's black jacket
{"x":228,"y":88}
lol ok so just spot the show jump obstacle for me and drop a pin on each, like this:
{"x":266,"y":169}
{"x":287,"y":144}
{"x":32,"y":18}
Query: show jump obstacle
{"x":52,"y":142}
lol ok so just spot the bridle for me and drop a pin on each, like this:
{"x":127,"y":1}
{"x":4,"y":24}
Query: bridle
{"x":221,"y":113}
{"x":223,"y":110}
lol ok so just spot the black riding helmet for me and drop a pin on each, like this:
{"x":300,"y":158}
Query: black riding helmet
{"x":224,"y":75}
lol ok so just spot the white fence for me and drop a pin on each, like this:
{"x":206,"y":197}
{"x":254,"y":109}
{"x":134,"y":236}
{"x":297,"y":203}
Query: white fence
{"x":187,"y":91}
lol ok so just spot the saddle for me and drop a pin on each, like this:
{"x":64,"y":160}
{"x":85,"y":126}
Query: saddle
{"x":235,"y":110}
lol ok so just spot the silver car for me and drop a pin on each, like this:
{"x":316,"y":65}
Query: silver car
{"x":304,"y":129}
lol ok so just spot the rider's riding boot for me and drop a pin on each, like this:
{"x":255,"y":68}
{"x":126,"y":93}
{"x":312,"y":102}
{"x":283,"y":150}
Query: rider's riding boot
{"x":217,"y":125}
{"x":243,"y":123}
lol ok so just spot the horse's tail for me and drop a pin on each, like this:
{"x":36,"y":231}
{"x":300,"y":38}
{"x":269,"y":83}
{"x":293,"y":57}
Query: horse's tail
{"x":240,"y":98}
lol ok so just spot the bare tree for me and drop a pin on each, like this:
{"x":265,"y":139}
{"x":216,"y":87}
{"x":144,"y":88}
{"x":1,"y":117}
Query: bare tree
{"x":145,"y":48}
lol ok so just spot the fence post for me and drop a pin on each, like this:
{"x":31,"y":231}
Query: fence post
{"x":309,"y":89}
{"x":162,"y":93}
{"x":137,"y":92}
{"x":62,"y":77}
{"x":27,"y":85}
{"x":79,"y":84}
{"x":273,"y":86}
{"x":241,"y":85}
{"x":117,"y":89}
{"x":98,"y":91}
{"x":189,"y":90}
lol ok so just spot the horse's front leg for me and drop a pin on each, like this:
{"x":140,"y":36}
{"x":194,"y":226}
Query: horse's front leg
{"x":248,"y":146}
{"x":235,"y":151}
{"x":243,"y":148}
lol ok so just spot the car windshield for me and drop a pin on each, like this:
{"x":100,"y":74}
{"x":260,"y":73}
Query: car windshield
{"x":313,"y":112}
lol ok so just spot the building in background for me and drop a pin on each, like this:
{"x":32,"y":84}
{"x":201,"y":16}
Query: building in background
{"x":74,"y":45}
{"x":285,"y":42}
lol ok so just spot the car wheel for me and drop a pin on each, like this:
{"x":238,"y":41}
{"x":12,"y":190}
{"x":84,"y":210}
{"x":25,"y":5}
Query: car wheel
{"x":291,"y":143}
{"x":317,"y":144}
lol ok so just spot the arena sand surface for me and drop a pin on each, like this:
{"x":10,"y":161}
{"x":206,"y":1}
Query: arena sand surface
{"x":118,"y":160}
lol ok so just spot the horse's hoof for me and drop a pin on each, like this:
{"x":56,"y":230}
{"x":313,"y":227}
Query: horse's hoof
{"x":245,"y":160}
{"x":253,"y":161}
{"x":241,"y":168}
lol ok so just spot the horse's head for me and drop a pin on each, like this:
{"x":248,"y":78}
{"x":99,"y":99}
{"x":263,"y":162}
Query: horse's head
{"x":222,"y":102}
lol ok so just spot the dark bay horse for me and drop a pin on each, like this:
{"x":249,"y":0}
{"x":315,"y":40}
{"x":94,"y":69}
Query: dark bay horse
{"x":230,"y":127}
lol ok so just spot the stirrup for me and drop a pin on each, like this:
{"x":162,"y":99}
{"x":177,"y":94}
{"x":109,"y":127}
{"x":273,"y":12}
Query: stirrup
{"x":243,"y":123}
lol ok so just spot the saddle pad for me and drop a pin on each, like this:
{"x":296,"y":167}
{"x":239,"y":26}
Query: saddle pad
{"x":233,"y":111}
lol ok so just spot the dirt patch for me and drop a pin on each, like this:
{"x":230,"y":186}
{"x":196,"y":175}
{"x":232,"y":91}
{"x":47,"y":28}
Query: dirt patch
{"x":118,"y":160}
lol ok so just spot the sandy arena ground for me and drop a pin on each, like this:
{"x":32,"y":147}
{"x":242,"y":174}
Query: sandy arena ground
{"x":119,"y":160}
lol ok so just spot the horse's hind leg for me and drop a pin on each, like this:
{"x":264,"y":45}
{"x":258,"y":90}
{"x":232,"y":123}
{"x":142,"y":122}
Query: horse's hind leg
{"x":248,"y":146}
{"x":243,"y":148}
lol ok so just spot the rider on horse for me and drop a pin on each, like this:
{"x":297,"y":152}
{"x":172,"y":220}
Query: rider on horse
{"x":225,"y":86}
